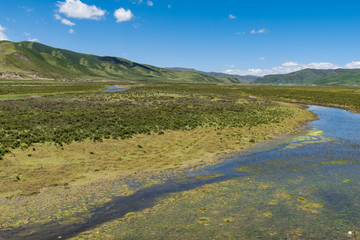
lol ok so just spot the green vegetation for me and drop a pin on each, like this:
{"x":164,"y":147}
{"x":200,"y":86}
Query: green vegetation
{"x":344,"y":97}
{"x":346,"y":79}
{"x":33,"y":60}
{"x":25,"y":88}
{"x":70,"y":148}
{"x":141,"y":110}
{"x":287,"y":194}
{"x":54,"y":140}
{"x":332,"y":77}
{"x":245,"y":208}
{"x":241,"y":79}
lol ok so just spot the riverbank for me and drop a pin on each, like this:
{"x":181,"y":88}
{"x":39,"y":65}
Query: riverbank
{"x":86,"y":174}
{"x":339,"y":97}
{"x":304,"y":189}
{"x":98,"y":143}
{"x":46,"y":165}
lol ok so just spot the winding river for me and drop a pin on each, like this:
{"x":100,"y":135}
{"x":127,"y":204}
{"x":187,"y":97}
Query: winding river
{"x":326,"y":158}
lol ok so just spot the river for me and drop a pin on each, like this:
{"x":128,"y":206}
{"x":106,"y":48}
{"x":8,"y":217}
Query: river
{"x":326,"y":159}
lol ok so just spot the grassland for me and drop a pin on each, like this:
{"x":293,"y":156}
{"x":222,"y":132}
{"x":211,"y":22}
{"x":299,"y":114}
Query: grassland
{"x":71,"y":133}
{"x":71,"y":148}
{"x":343,"y":97}
{"x":59,"y":139}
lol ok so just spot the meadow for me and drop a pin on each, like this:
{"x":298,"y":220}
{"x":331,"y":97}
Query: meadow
{"x":343,"y":97}
{"x":58,"y":138}
{"x":75,"y":142}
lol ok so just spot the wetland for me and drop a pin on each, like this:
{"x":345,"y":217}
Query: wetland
{"x":225,"y":173}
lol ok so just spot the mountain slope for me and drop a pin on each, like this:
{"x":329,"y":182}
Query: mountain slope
{"x":306,"y":77}
{"x":241,"y":79}
{"x":351,"y":78}
{"x":45,"y":61}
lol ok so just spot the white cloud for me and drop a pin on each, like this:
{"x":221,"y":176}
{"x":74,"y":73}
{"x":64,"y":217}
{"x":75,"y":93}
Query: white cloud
{"x":33,"y":39}
{"x":27,"y":34}
{"x":260,"y":31}
{"x":3,"y":37}
{"x":64,"y":20}
{"x":67,"y":22}
{"x":232,"y":16}
{"x":286,"y":67}
{"x":71,"y":31}
{"x":150,"y":3}
{"x":123,"y":15}
{"x":78,"y":9}
{"x":262,"y":58}
{"x":240,"y":33}
{"x":57,"y":16}
{"x":354,"y":64}
{"x":321,"y":65}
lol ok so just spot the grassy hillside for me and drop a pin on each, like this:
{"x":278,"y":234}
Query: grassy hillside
{"x":28,"y":58}
{"x":313,"y":76}
{"x":350,"y":78}
{"x":241,"y":79}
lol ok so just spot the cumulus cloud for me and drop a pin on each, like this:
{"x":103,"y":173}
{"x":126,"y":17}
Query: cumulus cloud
{"x":64,"y":20}
{"x":3,"y":37}
{"x":123,"y":15}
{"x":259,"y":31}
{"x":150,"y":3}
{"x":354,"y":64}
{"x":78,"y":9}
{"x":71,"y":31}
{"x":232,"y":16}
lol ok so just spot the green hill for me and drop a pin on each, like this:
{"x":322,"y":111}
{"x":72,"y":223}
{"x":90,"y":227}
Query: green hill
{"x":38,"y":60}
{"x":351,"y":78}
{"x":313,"y":76}
{"x":242,"y":79}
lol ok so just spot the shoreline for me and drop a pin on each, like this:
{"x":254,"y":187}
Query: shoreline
{"x":102,"y":187}
{"x":147,"y":155}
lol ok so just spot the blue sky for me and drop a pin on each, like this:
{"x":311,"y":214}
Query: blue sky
{"x":243,"y":37}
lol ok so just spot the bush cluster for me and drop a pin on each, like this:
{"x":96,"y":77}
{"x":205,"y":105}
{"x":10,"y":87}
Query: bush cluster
{"x":150,"y":109}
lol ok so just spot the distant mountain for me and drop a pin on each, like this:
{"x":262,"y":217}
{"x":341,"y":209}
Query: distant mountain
{"x":241,"y":79}
{"x":314,"y":76}
{"x":350,"y":78}
{"x":30,"y":59}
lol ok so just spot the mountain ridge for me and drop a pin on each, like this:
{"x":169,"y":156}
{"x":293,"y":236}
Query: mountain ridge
{"x":242,"y":79}
{"x":32,"y":58}
{"x":327,"y":77}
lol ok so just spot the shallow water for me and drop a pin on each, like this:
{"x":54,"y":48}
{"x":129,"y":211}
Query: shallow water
{"x":115,"y":88}
{"x":326,"y":159}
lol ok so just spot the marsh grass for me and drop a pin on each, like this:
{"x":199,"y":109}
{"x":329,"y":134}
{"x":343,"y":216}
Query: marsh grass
{"x":343,"y":97}
{"x":86,"y":137}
